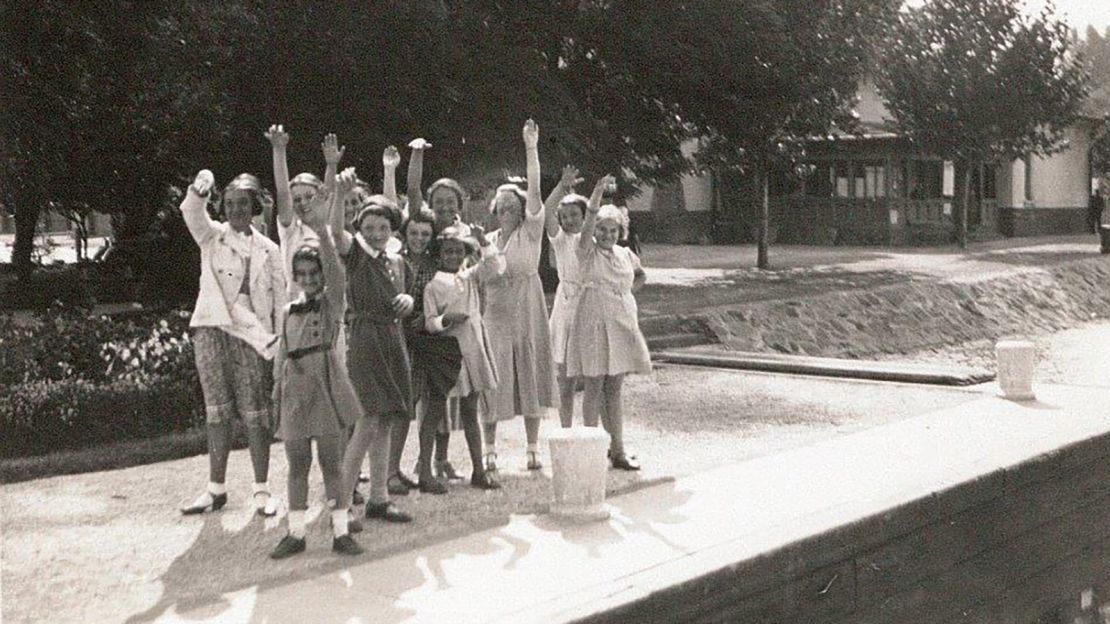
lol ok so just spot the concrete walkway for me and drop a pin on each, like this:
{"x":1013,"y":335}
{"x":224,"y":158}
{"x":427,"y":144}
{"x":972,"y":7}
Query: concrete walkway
{"x":539,"y":570}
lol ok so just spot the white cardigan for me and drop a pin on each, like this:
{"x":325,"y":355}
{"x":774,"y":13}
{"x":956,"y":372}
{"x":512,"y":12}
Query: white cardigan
{"x":221,"y":271}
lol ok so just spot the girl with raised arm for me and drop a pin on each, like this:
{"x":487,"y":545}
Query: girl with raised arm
{"x":565,"y":212}
{"x":515,"y":313}
{"x":242,"y":291}
{"x":312,"y":392}
{"x":377,"y":360}
{"x":294,"y":197}
{"x":604,"y":342}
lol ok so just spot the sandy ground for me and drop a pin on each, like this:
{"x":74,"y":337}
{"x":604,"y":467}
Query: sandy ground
{"x":111,"y":546}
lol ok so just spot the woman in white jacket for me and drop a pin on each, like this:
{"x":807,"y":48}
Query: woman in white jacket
{"x":242,"y":292}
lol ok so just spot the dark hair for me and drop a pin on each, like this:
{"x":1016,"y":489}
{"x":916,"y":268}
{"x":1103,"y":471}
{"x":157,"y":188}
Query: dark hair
{"x":308,"y":252}
{"x":379,"y":206}
{"x":451,"y":185}
{"x":575,"y":199}
{"x":260,"y":197}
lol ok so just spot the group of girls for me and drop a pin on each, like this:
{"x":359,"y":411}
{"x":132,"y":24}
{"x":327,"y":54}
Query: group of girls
{"x":359,"y":324}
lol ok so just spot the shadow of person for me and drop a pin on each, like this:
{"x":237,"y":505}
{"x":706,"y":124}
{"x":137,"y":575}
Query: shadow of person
{"x":193,"y":578}
{"x":227,"y":575}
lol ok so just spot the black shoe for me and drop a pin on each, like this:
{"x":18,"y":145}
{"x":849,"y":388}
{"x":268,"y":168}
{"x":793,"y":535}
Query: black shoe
{"x":445,"y":470}
{"x":354,"y":525}
{"x":620,"y":461}
{"x":386,"y":511}
{"x":218,"y":502}
{"x":484,"y":481}
{"x":432,"y":486}
{"x":346,"y":545}
{"x":356,"y":498}
{"x":397,"y":486}
{"x":287,"y":547}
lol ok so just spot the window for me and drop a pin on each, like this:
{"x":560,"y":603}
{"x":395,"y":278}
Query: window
{"x":820,"y":182}
{"x":989,"y":185}
{"x":1029,"y":178}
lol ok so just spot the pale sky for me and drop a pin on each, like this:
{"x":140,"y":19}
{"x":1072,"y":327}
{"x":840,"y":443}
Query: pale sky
{"x":1078,"y":13}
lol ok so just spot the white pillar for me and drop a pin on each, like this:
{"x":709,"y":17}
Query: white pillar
{"x":1016,"y":361}
{"x":579,"y":466}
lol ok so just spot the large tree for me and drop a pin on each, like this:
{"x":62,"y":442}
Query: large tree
{"x":753,"y":80}
{"x":977,"y":81}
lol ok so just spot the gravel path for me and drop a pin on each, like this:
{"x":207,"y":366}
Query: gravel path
{"x":110,"y":546}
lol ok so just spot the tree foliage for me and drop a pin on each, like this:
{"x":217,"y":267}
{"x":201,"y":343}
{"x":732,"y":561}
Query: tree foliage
{"x":978,"y":81}
{"x":112,"y":102}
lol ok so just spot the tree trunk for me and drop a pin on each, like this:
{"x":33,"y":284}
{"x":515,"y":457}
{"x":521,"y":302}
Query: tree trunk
{"x":961,"y":233}
{"x":762,"y":261}
{"x":26,"y":219}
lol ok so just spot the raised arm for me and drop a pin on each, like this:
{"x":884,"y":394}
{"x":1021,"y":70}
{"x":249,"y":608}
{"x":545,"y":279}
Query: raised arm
{"x":345,"y":183}
{"x":391,"y":158}
{"x":491,"y":263}
{"x":280,"y":140}
{"x":333,"y":153}
{"x":194,"y":208}
{"x":561,"y":190}
{"x":334,"y":274}
{"x":586,"y":242}
{"x":531,"y":145}
{"x":415,"y":178}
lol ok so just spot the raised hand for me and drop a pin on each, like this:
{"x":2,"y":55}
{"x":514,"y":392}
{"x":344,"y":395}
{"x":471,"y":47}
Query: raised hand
{"x":202,"y":184}
{"x":332,"y":152}
{"x":569,"y":178}
{"x":277,"y":136}
{"x":599,"y":190}
{"x":531,"y":134}
{"x":420,"y":144}
{"x":391,"y":157}
{"x":479,"y":234}
{"x":346,"y":181}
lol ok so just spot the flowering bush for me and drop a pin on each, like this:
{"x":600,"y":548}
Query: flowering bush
{"x":64,"y":343}
{"x":68,"y":379}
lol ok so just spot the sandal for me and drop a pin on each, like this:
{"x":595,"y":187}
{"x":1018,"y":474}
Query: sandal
{"x":534,"y":462}
{"x":484,"y":481}
{"x":445,"y":470}
{"x":621,"y":461}
{"x":264,"y":507}
{"x":396,"y":485}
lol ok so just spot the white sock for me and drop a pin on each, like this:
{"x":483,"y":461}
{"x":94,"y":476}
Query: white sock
{"x":296,"y":523}
{"x":339,"y":522}
{"x":261,"y":487}
{"x":533,"y":448}
{"x":215,"y":489}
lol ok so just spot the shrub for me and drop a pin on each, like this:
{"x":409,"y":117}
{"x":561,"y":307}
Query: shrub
{"x":47,"y":415}
{"x":68,"y":343}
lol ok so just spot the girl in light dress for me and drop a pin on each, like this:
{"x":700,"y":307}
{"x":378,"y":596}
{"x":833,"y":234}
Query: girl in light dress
{"x":604,"y":341}
{"x":515,"y":313}
{"x":452,"y":306}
